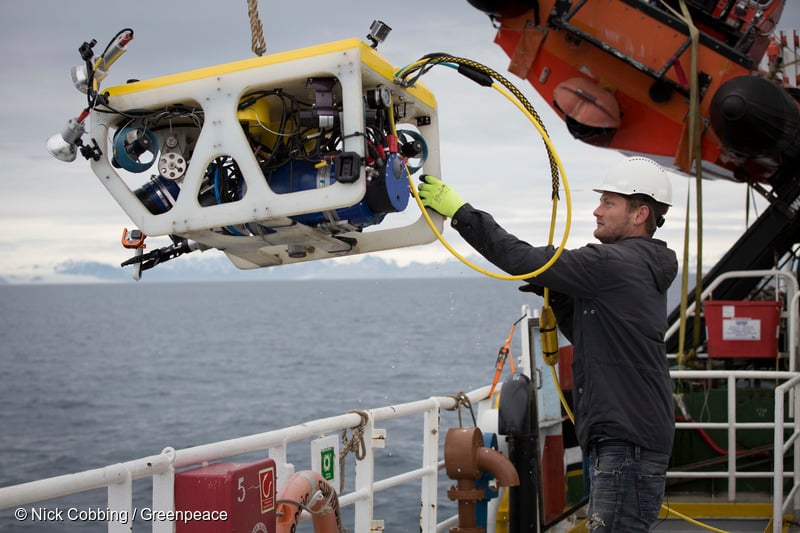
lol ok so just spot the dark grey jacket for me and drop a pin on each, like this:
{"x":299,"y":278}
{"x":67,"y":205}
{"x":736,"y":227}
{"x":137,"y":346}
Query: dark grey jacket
{"x":612,"y":305}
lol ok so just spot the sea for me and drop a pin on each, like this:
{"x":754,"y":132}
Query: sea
{"x":96,"y":374}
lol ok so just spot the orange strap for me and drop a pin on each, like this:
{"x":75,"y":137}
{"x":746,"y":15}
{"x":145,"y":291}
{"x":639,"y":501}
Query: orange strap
{"x":502,"y":355}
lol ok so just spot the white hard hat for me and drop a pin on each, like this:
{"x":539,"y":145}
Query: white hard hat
{"x":639,"y":175}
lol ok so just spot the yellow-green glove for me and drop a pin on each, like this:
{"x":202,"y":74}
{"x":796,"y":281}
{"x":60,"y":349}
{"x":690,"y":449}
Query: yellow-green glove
{"x":439,"y":196}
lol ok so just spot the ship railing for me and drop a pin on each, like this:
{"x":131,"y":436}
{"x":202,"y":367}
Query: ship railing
{"x":119,"y":478}
{"x":784,"y":445}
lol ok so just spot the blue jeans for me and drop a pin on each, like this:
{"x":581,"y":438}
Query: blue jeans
{"x":626,"y":486}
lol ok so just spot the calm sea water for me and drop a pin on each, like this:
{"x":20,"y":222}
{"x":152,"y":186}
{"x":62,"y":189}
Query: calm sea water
{"x":92,"y":375}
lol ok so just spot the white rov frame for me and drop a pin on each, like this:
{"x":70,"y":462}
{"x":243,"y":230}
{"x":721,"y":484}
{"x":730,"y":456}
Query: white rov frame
{"x":218,"y":91}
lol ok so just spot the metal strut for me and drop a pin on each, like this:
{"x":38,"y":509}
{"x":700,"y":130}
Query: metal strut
{"x":178,"y":247}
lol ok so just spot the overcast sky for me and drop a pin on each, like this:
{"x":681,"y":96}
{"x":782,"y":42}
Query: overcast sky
{"x":52,"y":211}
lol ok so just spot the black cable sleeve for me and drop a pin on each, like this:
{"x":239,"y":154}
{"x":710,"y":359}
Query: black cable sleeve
{"x":481,"y":78}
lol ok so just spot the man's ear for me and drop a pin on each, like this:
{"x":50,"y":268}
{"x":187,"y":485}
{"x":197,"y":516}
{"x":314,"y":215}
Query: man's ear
{"x":642,"y":213}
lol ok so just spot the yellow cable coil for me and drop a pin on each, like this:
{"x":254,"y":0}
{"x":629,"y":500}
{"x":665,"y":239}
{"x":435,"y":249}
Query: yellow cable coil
{"x":518,"y":99}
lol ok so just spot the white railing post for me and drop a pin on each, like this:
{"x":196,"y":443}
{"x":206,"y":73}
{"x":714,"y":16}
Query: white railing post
{"x":365,"y":478}
{"x":795,"y":397}
{"x":430,"y":460}
{"x":777,"y":481}
{"x":164,"y":493}
{"x":789,"y":389}
{"x":732,"y":438}
{"x":792,"y":333}
{"x":120,"y":503}
{"x":283,"y":469}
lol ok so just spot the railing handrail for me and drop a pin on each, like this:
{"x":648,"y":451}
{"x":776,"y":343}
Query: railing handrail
{"x":169,"y":460}
{"x":791,"y":385}
{"x":118,"y":478}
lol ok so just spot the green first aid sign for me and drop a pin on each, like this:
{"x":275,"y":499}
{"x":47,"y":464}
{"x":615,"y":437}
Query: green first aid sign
{"x":325,"y":458}
{"x":327,"y":462}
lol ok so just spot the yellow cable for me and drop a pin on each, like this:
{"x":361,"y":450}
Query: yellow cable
{"x":561,"y":395}
{"x":670,"y":510}
{"x":546,"y":139}
{"x":567,"y":198}
{"x":554,"y":211}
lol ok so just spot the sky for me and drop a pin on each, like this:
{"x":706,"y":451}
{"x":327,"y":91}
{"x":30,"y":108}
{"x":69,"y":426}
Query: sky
{"x":52,"y":211}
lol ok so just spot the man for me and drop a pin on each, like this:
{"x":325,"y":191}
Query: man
{"x":611,"y":303}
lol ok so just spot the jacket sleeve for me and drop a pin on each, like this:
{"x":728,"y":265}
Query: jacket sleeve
{"x":494,"y":243}
{"x":573,"y":274}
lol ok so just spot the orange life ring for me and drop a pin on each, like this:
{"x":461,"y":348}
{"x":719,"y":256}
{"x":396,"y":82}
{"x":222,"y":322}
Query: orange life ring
{"x":308,"y":490}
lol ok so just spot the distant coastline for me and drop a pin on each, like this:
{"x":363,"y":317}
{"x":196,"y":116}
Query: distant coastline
{"x":218,"y":268}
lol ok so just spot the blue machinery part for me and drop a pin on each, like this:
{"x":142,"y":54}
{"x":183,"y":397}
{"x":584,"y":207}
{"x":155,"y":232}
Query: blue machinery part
{"x":387,"y":189}
{"x":387,"y":192}
{"x":482,"y":506}
{"x":130,"y":143}
{"x":158,"y":195}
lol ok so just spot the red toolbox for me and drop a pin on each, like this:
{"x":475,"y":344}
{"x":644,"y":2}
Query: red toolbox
{"x":226,"y":498}
{"x":742,"y":328}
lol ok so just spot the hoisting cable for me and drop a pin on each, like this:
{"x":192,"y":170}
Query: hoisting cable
{"x":695,"y":145}
{"x":484,"y":76}
{"x":694,"y":117}
{"x":258,"y":45}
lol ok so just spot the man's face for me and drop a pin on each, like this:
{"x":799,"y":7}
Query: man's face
{"x":614,"y":221}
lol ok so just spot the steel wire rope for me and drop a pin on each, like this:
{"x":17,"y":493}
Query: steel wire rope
{"x":695,"y":148}
{"x":518,"y":99}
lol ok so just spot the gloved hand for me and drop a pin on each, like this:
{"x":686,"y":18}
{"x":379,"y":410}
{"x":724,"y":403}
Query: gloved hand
{"x":439,"y":196}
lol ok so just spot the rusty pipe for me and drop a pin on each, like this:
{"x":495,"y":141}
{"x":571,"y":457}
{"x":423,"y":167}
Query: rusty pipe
{"x":465,"y":457}
{"x":499,"y":466}
{"x":465,"y":460}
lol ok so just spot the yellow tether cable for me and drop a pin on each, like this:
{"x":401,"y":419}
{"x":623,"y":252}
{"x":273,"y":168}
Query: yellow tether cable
{"x":567,"y":194}
{"x":556,"y":167}
{"x":554,"y":160}
{"x":670,"y":510}
{"x":563,"y":398}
